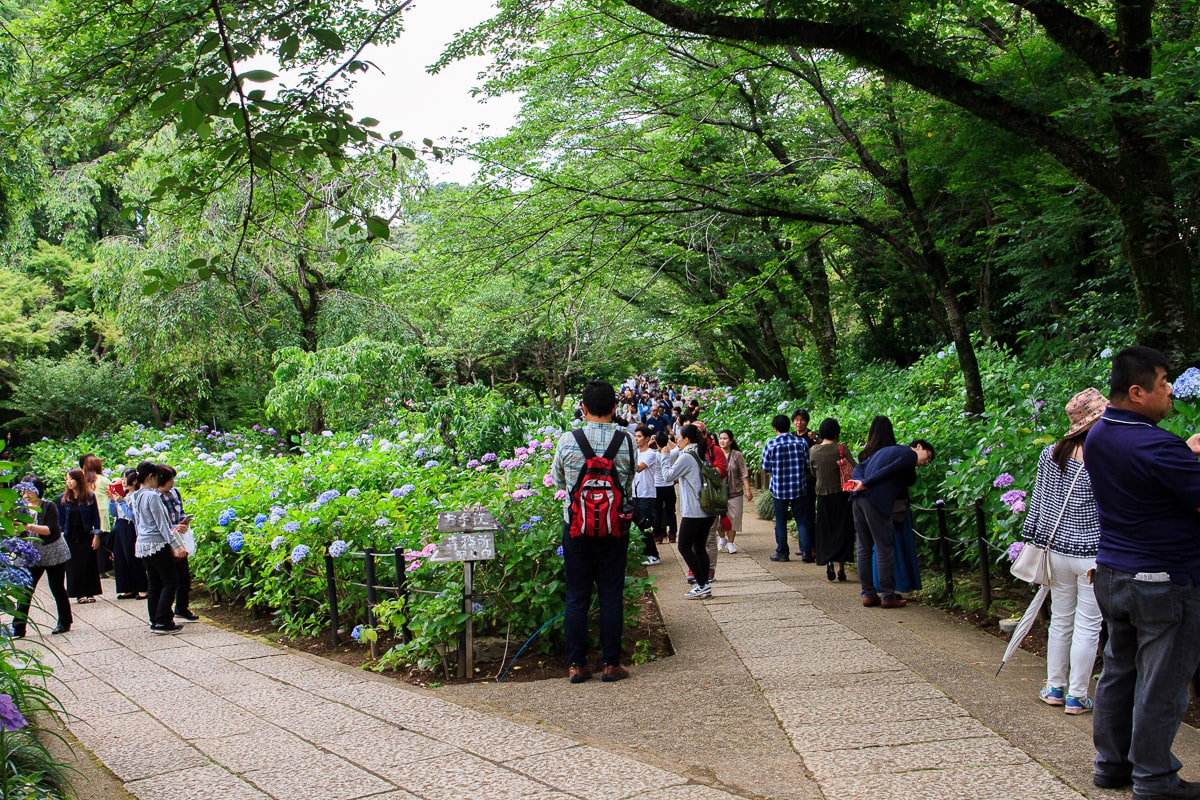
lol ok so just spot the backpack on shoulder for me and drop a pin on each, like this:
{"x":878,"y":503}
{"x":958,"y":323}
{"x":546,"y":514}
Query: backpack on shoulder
{"x":598,"y":503}
{"x":714,"y":499}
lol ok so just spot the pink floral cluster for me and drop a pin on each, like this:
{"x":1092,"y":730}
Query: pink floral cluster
{"x":417,"y":557}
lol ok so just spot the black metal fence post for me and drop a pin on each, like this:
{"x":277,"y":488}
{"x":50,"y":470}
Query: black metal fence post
{"x":402,"y":591}
{"x":944,"y":540}
{"x":985,"y":574}
{"x":369,"y":554}
{"x":331,"y":595}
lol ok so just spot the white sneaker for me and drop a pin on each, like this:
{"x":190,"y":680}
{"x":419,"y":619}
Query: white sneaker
{"x":721,"y":542}
{"x":698,"y":591}
{"x":650,"y":561}
{"x":732,"y":547}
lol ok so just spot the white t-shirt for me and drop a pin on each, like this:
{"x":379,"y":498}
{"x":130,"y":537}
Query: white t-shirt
{"x":643,"y":481}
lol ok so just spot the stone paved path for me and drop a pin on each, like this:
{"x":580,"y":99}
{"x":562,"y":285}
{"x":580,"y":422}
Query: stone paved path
{"x":780,"y":688}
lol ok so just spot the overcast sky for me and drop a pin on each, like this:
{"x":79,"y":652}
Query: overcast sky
{"x":438,"y":107}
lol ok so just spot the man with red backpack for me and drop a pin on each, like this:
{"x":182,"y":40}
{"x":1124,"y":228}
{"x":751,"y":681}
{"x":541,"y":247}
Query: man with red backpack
{"x":595,"y":465}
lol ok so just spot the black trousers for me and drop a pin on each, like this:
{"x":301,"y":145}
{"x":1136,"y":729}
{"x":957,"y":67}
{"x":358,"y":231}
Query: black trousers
{"x":163,"y":576}
{"x":56,"y":576}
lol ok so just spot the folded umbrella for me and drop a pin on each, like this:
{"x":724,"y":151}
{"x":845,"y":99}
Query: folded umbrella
{"x":1024,"y":625}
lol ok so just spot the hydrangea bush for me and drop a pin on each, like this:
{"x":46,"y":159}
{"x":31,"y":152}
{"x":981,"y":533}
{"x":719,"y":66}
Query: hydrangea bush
{"x":264,"y":520}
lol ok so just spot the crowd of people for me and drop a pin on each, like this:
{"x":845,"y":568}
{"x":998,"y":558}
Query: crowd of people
{"x":1115,"y":510}
{"x":133,"y":527}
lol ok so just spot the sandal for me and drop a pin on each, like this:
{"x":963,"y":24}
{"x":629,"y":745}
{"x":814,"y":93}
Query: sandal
{"x":127,"y":596}
{"x":83,"y":600}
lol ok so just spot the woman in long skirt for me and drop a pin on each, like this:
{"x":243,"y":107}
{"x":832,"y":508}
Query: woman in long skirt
{"x":834,"y":524}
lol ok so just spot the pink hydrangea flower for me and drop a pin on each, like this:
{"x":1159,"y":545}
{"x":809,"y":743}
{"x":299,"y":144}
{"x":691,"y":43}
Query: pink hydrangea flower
{"x":561,"y":494}
{"x":547,"y":480}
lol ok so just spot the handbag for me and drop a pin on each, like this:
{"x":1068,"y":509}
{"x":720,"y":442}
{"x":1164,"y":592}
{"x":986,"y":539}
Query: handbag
{"x":845,"y":468}
{"x":1032,"y":564}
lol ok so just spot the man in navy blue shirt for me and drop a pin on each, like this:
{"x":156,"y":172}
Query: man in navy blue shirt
{"x":878,"y":482}
{"x":1147,"y":486}
{"x":785,"y":459}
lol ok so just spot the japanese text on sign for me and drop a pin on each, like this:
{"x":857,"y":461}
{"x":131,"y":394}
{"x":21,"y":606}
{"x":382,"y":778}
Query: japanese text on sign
{"x":466,"y":547}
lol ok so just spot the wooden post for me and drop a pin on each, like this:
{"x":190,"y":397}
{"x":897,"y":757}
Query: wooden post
{"x":944,"y":539}
{"x":402,"y":591}
{"x":331,"y":596}
{"x":370,"y":562}
{"x":985,"y":573}
{"x":466,"y":639}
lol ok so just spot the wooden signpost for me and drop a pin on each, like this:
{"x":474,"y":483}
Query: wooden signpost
{"x":470,"y":540}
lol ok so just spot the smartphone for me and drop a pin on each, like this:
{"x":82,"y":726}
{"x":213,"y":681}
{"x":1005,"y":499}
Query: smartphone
{"x":186,"y":518}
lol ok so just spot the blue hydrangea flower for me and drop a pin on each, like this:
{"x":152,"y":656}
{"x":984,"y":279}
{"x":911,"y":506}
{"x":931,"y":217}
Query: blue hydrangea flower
{"x":1187,"y":385}
{"x":430,"y":464}
{"x":278,"y":541}
{"x":338,"y":548}
{"x":314,"y":520}
{"x":299,"y":552}
{"x":325,"y":497}
{"x":525,"y":526}
{"x":356,"y":634}
{"x":476,"y":607}
{"x":419,"y":452}
{"x":353,"y":492}
{"x":235,"y":541}
{"x":535,"y":519}
{"x":291,"y":527}
{"x":559,"y":551}
{"x":381,"y":522}
{"x":396,"y":492}
{"x":227,"y":516}
{"x":1106,"y":353}
{"x":406,"y":490}
{"x":260,"y":519}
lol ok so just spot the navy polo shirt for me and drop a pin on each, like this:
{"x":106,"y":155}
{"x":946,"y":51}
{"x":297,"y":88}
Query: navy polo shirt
{"x":1147,"y":487}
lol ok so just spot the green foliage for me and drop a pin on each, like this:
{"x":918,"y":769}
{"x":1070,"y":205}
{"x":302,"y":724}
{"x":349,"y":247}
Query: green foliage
{"x":350,"y":386}
{"x":77,"y":394}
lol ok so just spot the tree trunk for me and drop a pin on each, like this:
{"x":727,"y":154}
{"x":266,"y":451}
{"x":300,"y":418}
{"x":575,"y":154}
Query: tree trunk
{"x":816,"y":291}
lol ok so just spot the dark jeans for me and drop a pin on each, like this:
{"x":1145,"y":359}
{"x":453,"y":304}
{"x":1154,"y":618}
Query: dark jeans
{"x":129,"y":572}
{"x":793,"y":508}
{"x":1152,"y":651}
{"x":645,"y":516}
{"x":876,"y":535}
{"x":598,"y":561}
{"x":693,"y":542}
{"x":56,"y":577}
{"x":666,"y":512}
{"x":183,"y":574}
{"x":163,"y":578}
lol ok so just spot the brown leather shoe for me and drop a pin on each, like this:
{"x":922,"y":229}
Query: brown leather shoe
{"x":893,"y":602}
{"x":578,"y":673}
{"x":614,"y":672}
{"x":873,"y":600}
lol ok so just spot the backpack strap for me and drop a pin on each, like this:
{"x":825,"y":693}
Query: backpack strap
{"x":584,"y":444}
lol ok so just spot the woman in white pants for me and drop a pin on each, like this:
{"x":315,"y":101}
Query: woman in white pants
{"x":1062,"y":516}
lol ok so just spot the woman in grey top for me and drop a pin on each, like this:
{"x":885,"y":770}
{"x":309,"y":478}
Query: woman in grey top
{"x":1062,"y":516}
{"x":693,"y":528}
{"x":158,"y":546}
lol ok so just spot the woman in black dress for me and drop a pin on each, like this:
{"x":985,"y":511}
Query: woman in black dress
{"x":834,"y":528}
{"x":80,"y":518}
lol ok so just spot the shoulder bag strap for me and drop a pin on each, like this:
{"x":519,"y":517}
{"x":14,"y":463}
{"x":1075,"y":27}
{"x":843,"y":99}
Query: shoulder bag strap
{"x":1066,"y":503}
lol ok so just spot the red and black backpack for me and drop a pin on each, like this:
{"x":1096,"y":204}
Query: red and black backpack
{"x":598,"y":503}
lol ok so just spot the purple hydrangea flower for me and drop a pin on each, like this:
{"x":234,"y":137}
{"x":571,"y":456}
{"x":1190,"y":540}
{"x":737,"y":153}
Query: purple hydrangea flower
{"x":487,"y":458}
{"x":1012,"y":496}
{"x":11,"y":718}
{"x":1003,"y":480}
{"x":1014,"y":550}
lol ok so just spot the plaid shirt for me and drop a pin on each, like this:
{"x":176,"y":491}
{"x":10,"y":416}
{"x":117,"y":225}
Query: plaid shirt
{"x":174,"y":504}
{"x":786,"y":459}
{"x":569,"y":460}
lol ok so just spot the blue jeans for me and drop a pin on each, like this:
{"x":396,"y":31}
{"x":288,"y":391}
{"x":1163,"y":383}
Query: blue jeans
{"x":795,"y":509}
{"x":599,"y":561}
{"x":1152,"y":651}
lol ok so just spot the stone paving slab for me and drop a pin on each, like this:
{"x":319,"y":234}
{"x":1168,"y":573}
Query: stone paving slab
{"x":210,"y":714}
